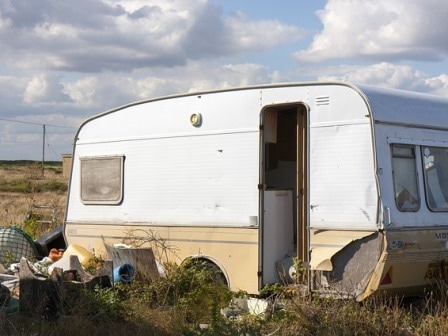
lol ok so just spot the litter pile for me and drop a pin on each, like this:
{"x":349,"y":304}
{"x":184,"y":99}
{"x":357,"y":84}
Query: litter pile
{"x":32,"y":280}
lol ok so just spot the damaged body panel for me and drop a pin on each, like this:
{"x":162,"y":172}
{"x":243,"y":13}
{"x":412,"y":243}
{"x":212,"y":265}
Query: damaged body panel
{"x":346,"y":270}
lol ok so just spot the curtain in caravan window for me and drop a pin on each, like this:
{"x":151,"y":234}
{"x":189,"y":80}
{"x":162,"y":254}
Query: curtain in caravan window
{"x":405,"y":178}
{"x":435,"y":160}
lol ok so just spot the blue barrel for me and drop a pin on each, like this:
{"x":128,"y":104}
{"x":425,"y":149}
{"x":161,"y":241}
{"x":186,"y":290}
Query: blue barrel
{"x":124,"y":273}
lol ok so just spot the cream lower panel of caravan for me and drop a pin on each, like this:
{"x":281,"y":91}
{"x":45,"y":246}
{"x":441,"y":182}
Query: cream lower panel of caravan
{"x":413,"y":261}
{"x":233,"y":249}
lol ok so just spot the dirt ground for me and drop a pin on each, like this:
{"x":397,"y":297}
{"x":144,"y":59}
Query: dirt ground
{"x":16,"y":207}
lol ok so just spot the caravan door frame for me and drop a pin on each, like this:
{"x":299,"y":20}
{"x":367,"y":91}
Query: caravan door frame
{"x":269,"y":127}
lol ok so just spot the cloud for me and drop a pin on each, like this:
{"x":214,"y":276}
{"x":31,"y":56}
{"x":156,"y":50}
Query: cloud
{"x":22,"y":96}
{"x":258,"y":35}
{"x":11,"y":89}
{"x":112,"y":89}
{"x":44,"y":89}
{"x":85,"y":95}
{"x":380,"y":29}
{"x":390,"y":75}
{"x":95,"y":36}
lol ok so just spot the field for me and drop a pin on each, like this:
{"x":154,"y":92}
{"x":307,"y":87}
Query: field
{"x":29,"y":192}
{"x":188,"y":301}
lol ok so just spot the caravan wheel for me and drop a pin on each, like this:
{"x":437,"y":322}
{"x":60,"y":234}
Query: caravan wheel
{"x":217,"y":275}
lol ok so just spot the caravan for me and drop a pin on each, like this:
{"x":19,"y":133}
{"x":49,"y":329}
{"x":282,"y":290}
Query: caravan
{"x":350,"y":181}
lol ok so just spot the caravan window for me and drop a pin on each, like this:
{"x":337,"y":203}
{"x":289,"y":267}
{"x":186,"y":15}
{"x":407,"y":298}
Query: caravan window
{"x":435,"y":164}
{"x":405,"y":177}
{"x":102,"y":180}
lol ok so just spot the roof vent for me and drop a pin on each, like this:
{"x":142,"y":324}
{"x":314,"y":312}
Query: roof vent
{"x":320,"y":101}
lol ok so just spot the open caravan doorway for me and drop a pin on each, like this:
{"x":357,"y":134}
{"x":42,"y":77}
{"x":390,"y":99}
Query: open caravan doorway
{"x":284,"y":195}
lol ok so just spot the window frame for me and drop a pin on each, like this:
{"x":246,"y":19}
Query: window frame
{"x":426,"y":183}
{"x":413,"y":156}
{"x":109,"y":189}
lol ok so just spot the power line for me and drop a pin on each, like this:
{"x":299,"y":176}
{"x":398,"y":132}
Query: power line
{"x":49,"y":145}
{"x":34,"y":123}
{"x":44,"y":136}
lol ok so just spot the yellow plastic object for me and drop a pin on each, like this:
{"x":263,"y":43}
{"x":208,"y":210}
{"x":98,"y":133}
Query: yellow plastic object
{"x":83,"y":254}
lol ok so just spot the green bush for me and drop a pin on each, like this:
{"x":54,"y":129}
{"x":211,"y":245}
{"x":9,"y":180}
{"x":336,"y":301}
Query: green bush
{"x":52,"y":186}
{"x":98,"y":304}
{"x":28,"y":187}
{"x":191,"y":290}
{"x":18,"y":185}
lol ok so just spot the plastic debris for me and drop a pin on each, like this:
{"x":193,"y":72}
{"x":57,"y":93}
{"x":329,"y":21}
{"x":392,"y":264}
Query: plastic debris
{"x":15,"y":244}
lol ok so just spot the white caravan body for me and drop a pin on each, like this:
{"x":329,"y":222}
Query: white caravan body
{"x":341,"y":177}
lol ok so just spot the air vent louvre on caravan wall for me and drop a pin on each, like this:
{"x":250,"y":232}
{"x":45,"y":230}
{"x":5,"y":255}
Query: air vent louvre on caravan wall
{"x":322,"y":101}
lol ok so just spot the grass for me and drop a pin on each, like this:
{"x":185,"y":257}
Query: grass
{"x":27,"y":177}
{"x":25,"y":192}
{"x":26,"y":186}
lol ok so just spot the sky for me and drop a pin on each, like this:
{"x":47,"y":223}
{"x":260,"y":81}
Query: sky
{"x":62,"y":62}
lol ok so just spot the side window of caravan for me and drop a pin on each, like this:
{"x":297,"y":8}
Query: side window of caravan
{"x":435,"y":164}
{"x":102,"y":180}
{"x":405,"y":177}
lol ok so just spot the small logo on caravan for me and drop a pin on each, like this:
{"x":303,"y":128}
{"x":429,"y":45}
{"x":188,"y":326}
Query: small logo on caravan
{"x":397,"y":244}
{"x":441,"y":235}
{"x":401,"y":244}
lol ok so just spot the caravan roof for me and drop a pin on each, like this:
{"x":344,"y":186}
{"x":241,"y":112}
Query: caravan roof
{"x":391,"y":105}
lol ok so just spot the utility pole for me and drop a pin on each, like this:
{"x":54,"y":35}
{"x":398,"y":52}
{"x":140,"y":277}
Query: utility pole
{"x":43,"y":149}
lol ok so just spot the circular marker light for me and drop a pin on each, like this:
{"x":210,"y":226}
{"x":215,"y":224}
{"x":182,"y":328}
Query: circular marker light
{"x":196,"y":119}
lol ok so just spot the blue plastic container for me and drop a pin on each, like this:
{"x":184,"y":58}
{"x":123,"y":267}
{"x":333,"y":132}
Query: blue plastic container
{"x":124,"y":273}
